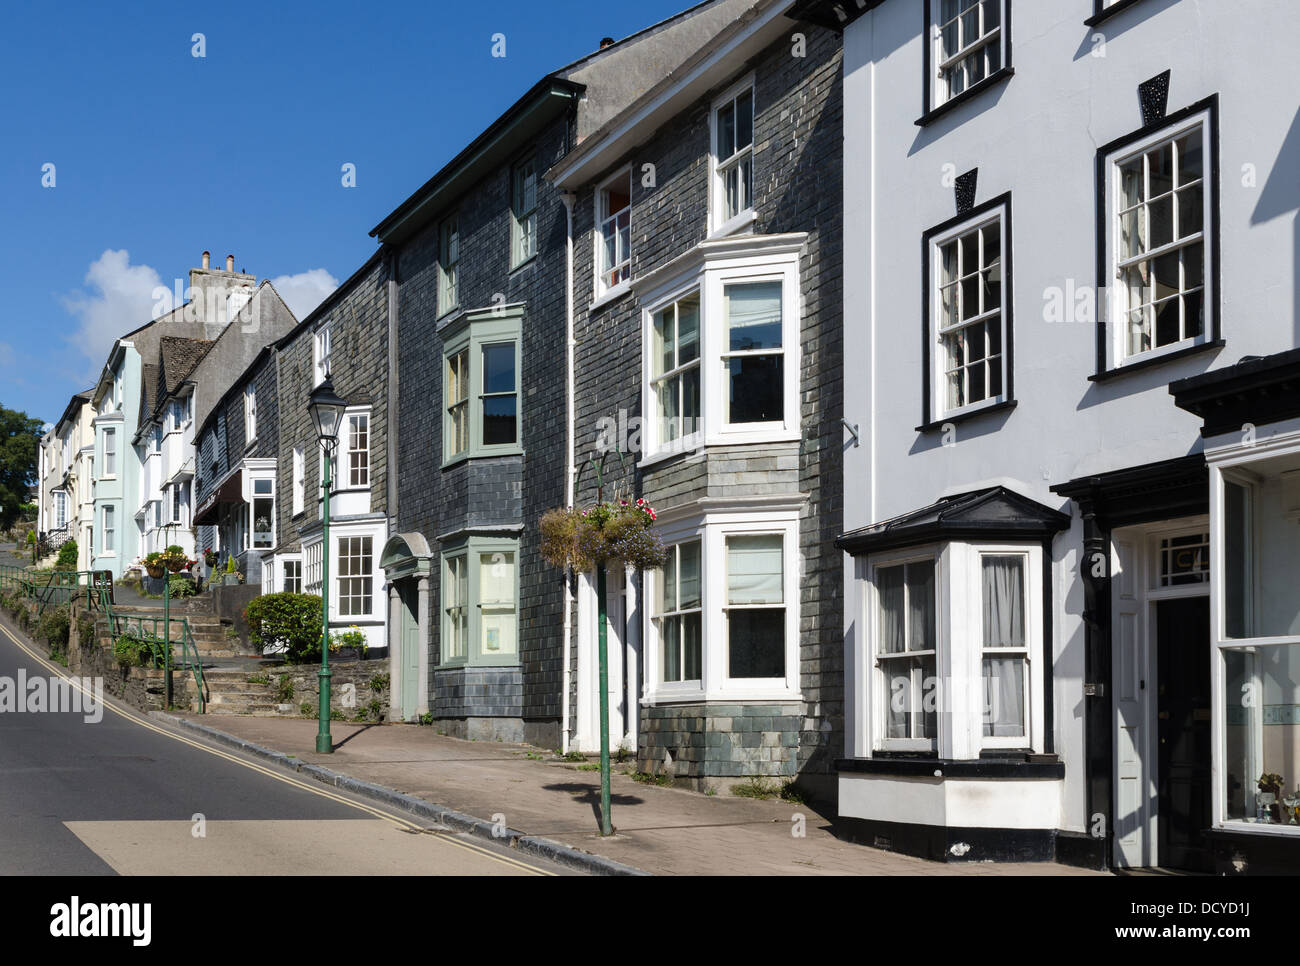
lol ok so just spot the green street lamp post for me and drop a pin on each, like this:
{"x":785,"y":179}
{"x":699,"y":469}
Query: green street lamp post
{"x":326,"y":410}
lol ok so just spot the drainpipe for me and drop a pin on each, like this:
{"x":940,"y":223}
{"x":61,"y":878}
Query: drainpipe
{"x":569,"y":199}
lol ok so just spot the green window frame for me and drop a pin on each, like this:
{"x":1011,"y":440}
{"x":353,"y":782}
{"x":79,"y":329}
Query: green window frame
{"x":480,"y":603}
{"x":481,"y":385}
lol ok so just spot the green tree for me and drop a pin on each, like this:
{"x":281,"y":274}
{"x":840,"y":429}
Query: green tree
{"x":20,"y":441}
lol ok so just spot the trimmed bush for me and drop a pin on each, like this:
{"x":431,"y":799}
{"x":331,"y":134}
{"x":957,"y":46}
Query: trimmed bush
{"x":181,"y":586}
{"x":67,"y":556}
{"x":288,"y":621}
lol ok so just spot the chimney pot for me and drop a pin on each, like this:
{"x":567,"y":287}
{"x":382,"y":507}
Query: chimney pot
{"x":206,"y":257}
{"x":230,"y":263}
{"x":606,"y":42}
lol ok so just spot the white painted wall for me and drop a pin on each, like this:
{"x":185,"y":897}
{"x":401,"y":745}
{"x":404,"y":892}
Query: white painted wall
{"x":1036,"y":135}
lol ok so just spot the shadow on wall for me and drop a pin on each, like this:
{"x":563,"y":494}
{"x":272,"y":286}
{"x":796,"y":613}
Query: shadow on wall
{"x":1280,"y":196}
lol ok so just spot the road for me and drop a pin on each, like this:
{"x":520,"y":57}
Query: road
{"x":127,"y":795}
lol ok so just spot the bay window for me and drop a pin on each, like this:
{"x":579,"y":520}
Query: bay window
{"x":1256,"y":507}
{"x":1158,"y":241}
{"x":263,"y":513}
{"x":956,"y":641}
{"x":481,"y":367}
{"x":723,"y":609}
{"x":355,"y":581}
{"x":480,"y":593}
{"x":721,"y":346}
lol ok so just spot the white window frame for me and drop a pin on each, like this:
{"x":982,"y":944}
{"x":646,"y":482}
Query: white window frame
{"x":1000,"y":215}
{"x":322,"y":349}
{"x":285,"y":562}
{"x":603,"y":220}
{"x":959,"y":643}
{"x":250,"y":414}
{"x":523,"y":221}
{"x":110,"y":454}
{"x":711,"y":278}
{"x":1117,"y":303}
{"x":719,"y":222}
{"x":937,"y":84}
{"x":299,"y":479}
{"x":449,"y":264}
{"x":108,"y":531}
{"x":312,"y":573}
{"x":60,"y":509}
{"x":343,"y":467}
{"x":337,"y":575}
{"x":253,"y":479}
{"x":1235,"y":463}
{"x":712,"y":530}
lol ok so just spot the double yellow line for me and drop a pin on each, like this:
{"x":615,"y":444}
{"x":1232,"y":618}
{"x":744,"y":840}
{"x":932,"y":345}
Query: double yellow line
{"x":396,"y":820}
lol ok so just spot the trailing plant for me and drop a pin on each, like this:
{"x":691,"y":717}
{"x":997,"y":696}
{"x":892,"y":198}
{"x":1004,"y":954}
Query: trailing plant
{"x":609,"y":532}
{"x":379,"y":682}
{"x":131,"y":650}
{"x":308,"y":710}
{"x":288,"y":621}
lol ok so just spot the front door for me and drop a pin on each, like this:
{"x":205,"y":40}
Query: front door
{"x":410,"y":644}
{"x":1183,"y":732}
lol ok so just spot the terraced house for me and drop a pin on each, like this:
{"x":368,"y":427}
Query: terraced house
{"x":1071,"y":552}
{"x":479,"y":382}
{"x":705,"y":284}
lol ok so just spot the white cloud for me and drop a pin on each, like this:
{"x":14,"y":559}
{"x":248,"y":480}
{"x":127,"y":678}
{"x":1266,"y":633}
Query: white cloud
{"x":117,"y":297}
{"x":306,"y":290}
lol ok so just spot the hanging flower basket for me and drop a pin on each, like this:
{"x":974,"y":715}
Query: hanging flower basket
{"x":154,"y":565}
{"x":607,"y":533}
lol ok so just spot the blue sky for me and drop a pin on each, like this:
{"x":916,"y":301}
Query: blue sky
{"x":159,"y":155}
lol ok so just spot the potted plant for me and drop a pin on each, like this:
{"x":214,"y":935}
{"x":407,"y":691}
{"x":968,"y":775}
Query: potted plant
{"x":154,"y":565}
{"x":349,"y":645}
{"x":1270,"y":790}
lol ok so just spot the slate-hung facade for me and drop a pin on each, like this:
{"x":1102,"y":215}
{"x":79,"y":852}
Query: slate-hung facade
{"x":345,"y":339}
{"x":480,"y":382}
{"x":1066,"y":554}
{"x":706,"y":286}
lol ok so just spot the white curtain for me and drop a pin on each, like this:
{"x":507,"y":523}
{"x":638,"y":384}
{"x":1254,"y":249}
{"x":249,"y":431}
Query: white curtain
{"x":1004,"y":626}
{"x":754,"y":569}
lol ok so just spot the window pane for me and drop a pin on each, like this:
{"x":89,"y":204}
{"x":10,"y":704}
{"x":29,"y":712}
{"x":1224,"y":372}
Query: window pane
{"x":670,"y":633}
{"x":499,"y":420}
{"x":756,"y":643}
{"x":1189,"y":158}
{"x":688,"y":329}
{"x":889,"y":590}
{"x":1004,"y":697}
{"x":753,"y":315}
{"x":668,"y":583}
{"x":691,"y":647}
{"x":754,"y":569}
{"x":1003,"y":581}
{"x":497,"y":600}
{"x":499,"y":368}
{"x":745,"y":120}
{"x":920,"y":606}
{"x":690,"y":575}
{"x":756,"y":393}
{"x":1260,"y":734}
{"x":666,"y":340}
{"x":726,"y":131}
{"x":1160,"y":215}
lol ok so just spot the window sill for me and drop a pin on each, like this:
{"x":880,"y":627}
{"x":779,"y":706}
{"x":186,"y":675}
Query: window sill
{"x":938,"y":424}
{"x":1026,"y":766}
{"x":699,"y":696}
{"x":1159,"y":359}
{"x":524,"y":263}
{"x":611,"y":295}
{"x":1111,"y":11}
{"x":734,"y":225}
{"x":969,"y":94}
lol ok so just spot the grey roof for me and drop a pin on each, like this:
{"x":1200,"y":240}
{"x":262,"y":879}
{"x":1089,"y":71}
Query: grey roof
{"x":177,"y":359}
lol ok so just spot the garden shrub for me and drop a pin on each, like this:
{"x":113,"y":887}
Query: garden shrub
{"x":288,"y":621}
{"x":53,"y":628}
{"x":67,"y":556}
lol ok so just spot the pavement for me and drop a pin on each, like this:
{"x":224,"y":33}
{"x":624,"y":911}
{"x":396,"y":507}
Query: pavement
{"x":500,"y":790}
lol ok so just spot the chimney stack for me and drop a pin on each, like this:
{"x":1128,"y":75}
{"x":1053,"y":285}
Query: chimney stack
{"x":230,"y":263}
{"x":206,"y":257}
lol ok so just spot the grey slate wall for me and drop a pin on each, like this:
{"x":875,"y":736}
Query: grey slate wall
{"x":797,"y":187}
{"x":501,"y":492}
